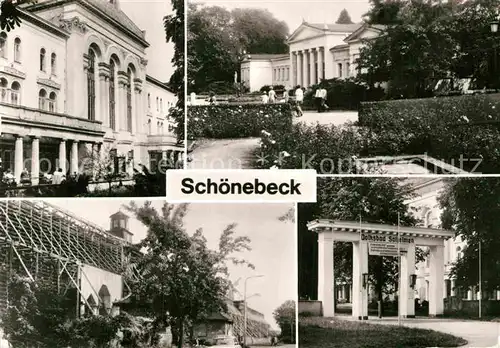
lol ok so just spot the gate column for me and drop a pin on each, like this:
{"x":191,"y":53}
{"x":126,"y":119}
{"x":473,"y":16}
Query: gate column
{"x":359,"y":293}
{"x":325,"y":273}
{"x":436,"y":281}
{"x":407,"y":294}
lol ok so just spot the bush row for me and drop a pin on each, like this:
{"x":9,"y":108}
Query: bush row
{"x":463,"y":131}
{"x":237,"y":121}
{"x":345,"y":94}
{"x":328,"y":149}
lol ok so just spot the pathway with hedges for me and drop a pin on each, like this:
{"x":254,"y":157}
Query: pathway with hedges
{"x":479,"y":334}
{"x":333,"y":117}
{"x":224,"y":153}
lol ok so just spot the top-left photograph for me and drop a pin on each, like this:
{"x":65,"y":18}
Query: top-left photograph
{"x":91,"y":97}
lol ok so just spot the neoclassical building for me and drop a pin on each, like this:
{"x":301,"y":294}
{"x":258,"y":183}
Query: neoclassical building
{"x":317,"y":51}
{"x":74,"y":85}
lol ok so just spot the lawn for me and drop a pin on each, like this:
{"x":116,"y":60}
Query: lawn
{"x":333,"y":333}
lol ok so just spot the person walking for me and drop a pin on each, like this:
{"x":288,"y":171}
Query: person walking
{"x":212,"y":99}
{"x":323,"y":94}
{"x":265,"y":98}
{"x":318,"y":100}
{"x":286,"y":95}
{"x":299,"y":98}
{"x":272,"y":95}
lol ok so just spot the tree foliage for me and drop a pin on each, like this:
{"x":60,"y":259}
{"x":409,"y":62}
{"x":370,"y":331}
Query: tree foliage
{"x":285,"y":316}
{"x":376,"y":200}
{"x":181,"y":280}
{"x":470,"y":208}
{"x":217,"y":39}
{"x":344,"y":18}
{"x":174,"y":29}
{"x":10,"y":15}
{"x":424,"y":41}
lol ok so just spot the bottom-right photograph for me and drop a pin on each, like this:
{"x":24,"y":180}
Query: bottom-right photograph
{"x":400,"y":262}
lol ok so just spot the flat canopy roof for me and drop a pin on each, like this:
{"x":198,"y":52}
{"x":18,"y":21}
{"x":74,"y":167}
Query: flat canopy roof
{"x":326,"y":225}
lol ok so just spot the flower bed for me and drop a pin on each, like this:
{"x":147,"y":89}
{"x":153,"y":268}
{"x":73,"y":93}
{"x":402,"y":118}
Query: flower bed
{"x":326,"y":148}
{"x":237,"y":121}
{"x":463,"y":131}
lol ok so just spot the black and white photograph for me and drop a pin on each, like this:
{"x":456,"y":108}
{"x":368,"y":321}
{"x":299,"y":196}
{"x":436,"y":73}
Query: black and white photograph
{"x":147,"y":274}
{"x":90,"y":97}
{"x":359,"y":87}
{"x":400,"y":262}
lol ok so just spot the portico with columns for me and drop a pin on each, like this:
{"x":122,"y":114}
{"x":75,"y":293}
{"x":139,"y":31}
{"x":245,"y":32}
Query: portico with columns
{"x":367,"y":237}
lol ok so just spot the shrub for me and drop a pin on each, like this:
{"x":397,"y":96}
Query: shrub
{"x":458,"y":130}
{"x":237,"y":121}
{"x":277,"y":88}
{"x":328,"y":149}
{"x":345,"y":94}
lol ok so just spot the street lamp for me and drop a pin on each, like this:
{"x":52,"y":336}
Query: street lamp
{"x":245,"y":304}
{"x":494,"y":30}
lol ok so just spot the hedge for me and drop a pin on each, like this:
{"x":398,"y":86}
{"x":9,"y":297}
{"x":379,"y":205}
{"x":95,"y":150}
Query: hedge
{"x":237,"y":121}
{"x":462,"y":130}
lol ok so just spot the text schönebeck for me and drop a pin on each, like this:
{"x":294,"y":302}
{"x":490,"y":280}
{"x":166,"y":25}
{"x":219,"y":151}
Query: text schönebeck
{"x":225,"y":187}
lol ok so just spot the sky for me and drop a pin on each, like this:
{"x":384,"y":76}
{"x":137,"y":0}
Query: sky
{"x":294,"y":11}
{"x":273,"y":242}
{"x":148,"y":15}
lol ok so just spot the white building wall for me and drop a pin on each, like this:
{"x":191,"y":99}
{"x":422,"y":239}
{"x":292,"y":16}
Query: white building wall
{"x":261,"y":74}
{"x":92,"y":279}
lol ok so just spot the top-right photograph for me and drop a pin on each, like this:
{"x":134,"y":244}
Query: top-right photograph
{"x":370,"y":87}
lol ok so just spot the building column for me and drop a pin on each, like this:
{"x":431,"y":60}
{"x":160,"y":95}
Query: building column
{"x":74,"y":157}
{"x":300,"y":59}
{"x":104,"y":94}
{"x":18,"y":159}
{"x":121,"y":110}
{"x":320,"y":64}
{"x":62,"y":155}
{"x":325,"y":273}
{"x":138,"y":107}
{"x":35,"y":160}
{"x":305,"y":68}
{"x":312,"y":66}
{"x":329,"y":65}
{"x":406,"y":293}
{"x":359,"y":293}
{"x":436,"y":280}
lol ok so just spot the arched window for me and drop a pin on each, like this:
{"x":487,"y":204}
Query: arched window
{"x":42,"y":98}
{"x":459,"y":253}
{"x":149,"y":100}
{"x":149,"y":127}
{"x":129,"y":100}
{"x":52,"y":102}
{"x":339,"y":65}
{"x":42,"y":59}
{"x":112,"y":103}
{"x":3,"y":45}
{"x":91,"y":85}
{"x":4,"y":84}
{"x":161,"y":105}
{"x":17,"y":50}
{"x":15,"y":92}
{"x":157,"y":105}
{"x":104,"y":300}
{"x":53,"y":62}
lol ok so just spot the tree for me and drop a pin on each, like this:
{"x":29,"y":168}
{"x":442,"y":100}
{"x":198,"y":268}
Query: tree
{"x":470,"y":208}
{"x":376,"y":200}
{"x":284,"y":315}
{"x":174,"y":29}
{"x":344,"y":18}
{"x":384,"y":12}
{"x":217,"y":39}
{"x":181,"y":280}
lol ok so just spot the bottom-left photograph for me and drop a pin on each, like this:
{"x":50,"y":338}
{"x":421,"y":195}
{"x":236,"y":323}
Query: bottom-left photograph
{"x":136,"y":273}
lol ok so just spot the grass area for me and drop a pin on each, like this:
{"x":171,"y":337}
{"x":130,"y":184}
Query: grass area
{"x":332,"y":333}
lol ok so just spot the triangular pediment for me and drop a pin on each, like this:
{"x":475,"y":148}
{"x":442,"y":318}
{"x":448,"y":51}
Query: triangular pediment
{"x":365,"y":32}
{"x":304,"y":31}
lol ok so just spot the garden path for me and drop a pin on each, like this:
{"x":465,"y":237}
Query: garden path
{"x":224,"y":154}
{"x":477,"y":333}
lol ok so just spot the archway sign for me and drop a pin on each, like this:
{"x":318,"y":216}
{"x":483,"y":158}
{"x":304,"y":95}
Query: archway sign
{"x":379,"y":239}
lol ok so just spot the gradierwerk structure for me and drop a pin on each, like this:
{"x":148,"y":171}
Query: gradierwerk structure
{"x":74,"y":85}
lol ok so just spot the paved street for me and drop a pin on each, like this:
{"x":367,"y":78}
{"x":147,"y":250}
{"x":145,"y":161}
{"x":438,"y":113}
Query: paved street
{"x":479,"y":334}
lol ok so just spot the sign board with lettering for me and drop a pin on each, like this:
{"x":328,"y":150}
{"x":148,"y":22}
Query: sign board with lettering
{"x":386,"y":238}
{"x":387,"y":249}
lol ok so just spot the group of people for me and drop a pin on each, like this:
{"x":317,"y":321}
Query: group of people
{"x":269,"y":97}
{"x":320,"y":99}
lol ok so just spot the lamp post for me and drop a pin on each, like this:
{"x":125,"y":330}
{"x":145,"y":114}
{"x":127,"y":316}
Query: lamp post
{"x":365,"y":287}
{"x":494,"y":30}
{"x":245,"y":304}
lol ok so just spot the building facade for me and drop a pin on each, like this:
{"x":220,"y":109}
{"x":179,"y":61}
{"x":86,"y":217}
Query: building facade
{"x":317,"y":52}
{"x":74,"y":86}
